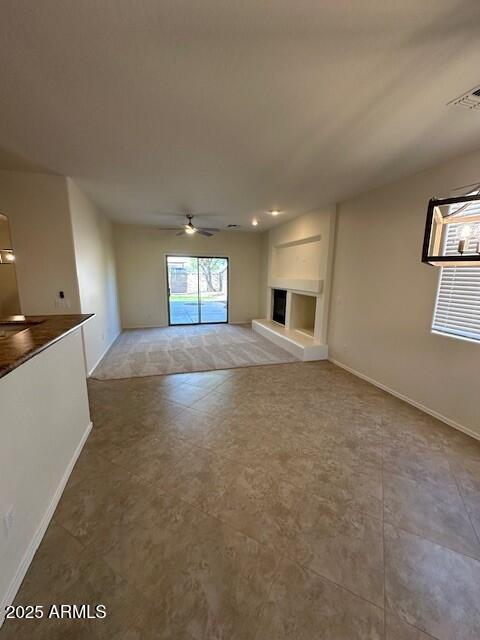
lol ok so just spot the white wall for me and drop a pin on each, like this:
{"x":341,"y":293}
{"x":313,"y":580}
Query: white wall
{"x":96,"y":273}
{"x":383,"y":297}
{"x":36,"y":206}
{"x":40,"y":439}
{"x":140,"y":253}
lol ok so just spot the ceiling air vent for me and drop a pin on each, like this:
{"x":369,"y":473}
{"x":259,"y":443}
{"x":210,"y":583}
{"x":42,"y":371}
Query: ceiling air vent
{"x":233,"y":226}
{"x":469,"y":100}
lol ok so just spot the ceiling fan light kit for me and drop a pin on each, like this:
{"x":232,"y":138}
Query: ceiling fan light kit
{"x":190,"y":229}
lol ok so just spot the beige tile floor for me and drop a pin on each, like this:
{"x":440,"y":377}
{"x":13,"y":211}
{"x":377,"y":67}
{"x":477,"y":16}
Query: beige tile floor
{"x":288,"y":501}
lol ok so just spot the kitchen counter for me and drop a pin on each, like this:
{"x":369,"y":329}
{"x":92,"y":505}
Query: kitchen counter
{"x":41,"y":332}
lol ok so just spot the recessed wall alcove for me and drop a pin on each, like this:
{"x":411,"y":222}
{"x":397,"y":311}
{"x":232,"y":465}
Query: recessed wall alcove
{"x":296,"y":264}
{"x":302,"y":313}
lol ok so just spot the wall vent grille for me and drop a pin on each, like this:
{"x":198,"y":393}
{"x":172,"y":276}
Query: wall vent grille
{"x":469,"y":100}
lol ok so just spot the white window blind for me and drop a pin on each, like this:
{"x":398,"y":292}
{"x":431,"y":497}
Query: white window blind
{"x":457,"y":310}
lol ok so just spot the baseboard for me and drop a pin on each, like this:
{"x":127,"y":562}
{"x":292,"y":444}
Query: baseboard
{"x":144,"y":326}
{"x":414,"y":403}
{"x":109,"y":346}
{"x":40,"y":532}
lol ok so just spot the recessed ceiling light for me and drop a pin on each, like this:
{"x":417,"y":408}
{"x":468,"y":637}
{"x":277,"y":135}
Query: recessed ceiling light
{"x":274,"y":212}
{"x":255,"y":222}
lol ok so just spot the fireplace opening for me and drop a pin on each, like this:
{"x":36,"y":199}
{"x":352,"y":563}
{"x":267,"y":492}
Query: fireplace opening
{"x":279,"y":305}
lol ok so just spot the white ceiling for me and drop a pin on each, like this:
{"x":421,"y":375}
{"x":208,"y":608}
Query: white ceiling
{"x":235,"y":107}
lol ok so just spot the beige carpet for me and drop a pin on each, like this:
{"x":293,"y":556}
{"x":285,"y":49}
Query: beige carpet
{"x":149,"y":352}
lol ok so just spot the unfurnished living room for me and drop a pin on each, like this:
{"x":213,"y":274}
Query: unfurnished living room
{"x":240,"y":320}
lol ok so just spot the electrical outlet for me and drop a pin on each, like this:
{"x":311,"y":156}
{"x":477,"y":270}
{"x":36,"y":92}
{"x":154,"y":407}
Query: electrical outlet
{"x":8,"y":519}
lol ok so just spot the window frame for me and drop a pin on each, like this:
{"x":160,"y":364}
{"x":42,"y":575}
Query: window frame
{"x":449,"y":333}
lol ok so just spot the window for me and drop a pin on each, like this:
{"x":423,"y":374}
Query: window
{"x":457,"y":310}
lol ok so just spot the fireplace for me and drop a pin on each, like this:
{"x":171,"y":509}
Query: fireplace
{"x":279,"y":305}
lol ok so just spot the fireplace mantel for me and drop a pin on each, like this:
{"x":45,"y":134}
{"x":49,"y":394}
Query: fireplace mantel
{"x":297,"y":284}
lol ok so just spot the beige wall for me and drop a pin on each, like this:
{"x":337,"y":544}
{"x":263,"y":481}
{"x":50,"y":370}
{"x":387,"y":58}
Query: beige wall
{"x":97,"y":282}
{"x":62,"y":243}
{"x":140,"y":253}
{"x":40,"y":439}
{"x":9,"y":301}
{"x":36,"y":205}
{"x":383,"y":297}
{"x":263,"y":279}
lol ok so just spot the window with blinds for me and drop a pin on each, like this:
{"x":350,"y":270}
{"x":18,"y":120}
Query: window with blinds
{"x":457,"y":309}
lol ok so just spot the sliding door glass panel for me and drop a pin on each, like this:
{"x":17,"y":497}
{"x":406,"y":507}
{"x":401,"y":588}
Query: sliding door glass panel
{"x":213,"y":289}
{"x":183,"y":299}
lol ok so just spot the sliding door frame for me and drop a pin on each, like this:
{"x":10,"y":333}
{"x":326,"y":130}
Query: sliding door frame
{"x":197,"y":257}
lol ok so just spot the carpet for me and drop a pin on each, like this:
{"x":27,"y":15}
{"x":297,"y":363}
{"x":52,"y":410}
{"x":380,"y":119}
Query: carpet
{"x":148,"y":352}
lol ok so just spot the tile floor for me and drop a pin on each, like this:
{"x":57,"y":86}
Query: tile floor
{"x":288,"y":501}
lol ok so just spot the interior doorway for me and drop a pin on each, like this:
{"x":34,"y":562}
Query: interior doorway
{"x":197,"y":289}
{"x":9,"y":296}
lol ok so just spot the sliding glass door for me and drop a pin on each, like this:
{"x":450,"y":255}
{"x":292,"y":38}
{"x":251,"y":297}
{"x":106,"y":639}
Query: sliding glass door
{"x":197,"y":289}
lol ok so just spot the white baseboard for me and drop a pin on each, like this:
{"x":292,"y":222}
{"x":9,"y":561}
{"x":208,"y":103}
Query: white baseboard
{"x":414,"y":403}
{"x":144,"y":326}
{"x":40,"y":532}
{"x":109,"y":346}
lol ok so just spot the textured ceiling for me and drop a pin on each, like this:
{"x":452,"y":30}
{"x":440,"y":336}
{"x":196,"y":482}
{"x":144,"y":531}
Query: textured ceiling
{"x":235,"y":107}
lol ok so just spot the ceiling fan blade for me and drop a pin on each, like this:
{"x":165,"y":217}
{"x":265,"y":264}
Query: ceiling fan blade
{"x":181,"y":233}
{"x":202,"y":232}
{"x":168,"y":228}
{"x":210,"y":229}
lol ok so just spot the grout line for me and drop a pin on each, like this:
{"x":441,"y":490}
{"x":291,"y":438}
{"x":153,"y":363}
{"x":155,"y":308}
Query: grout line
{"x":222,"y":423}
{"x":335,"y":584}
{"x":477,"y":535}
{"x":286,"y":481}
{"x":262,"y":544}
{"x":284,"y":556}
{"x":264,"y":604}
{"x":425,"y":633}
{"x":438,"y":544}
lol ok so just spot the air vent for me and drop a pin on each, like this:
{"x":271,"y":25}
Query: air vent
{"x":233,"y":226}
{"x":469,"y":100}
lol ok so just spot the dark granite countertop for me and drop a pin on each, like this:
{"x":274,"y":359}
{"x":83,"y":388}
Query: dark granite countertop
{"x":41,"y":332}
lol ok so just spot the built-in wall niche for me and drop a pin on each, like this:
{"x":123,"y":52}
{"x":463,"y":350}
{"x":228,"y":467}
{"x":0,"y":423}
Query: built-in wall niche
{"x":296,"y":265}
{"x":302,"y":313}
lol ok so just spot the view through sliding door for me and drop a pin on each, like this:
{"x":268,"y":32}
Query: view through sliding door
{"x":197,"y":289}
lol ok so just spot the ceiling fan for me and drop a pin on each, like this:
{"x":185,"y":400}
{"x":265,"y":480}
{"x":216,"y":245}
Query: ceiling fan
{"x":189,"y":228}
